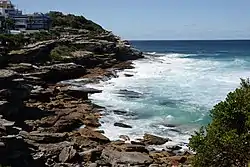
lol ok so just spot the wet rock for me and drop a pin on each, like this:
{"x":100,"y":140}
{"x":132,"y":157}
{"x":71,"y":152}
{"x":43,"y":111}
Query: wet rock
{"x":128,"y":158}
{"x":128,"y":75}
{"x":136,"y":148}
{"x":122,"y":125}
{"x":80,"y":92}
{"x":119,"y":112}
{"x":129,"y":93}
{"x":67,"y":154}
{"x":124,"y":137}
{"x":174,"y":148}
{"x":154,"y":140}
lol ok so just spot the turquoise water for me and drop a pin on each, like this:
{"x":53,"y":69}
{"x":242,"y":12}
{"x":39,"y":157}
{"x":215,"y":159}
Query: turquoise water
{"x":173,"y":88}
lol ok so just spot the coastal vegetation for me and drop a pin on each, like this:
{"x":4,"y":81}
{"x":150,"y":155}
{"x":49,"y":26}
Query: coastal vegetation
{"x":78,"y":22}
{"x":225,"y":141}
{"x":61,"y":52}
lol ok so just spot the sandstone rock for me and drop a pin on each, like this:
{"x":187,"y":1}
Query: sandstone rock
{"x":67,"y":154}
{"x":180,"y":159}
{"x":154,"y":140}
{"x":129,"y":158}
{"x":122,"y":125}
{"x":44,"y":137}
{"x":95,"y":136}
{"x":64,"y":71}
{"x":7,"y":75}
{"x":154,"y":165}
{"x":22,"y":67}
{"x":91,"y":155}
{"x":93,"y":165}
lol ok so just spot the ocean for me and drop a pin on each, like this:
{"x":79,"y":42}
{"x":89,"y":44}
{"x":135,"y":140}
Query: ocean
{"x":173,"y":88}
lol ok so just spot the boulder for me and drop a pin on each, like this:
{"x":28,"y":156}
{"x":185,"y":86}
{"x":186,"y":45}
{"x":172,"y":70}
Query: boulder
{"x":122,"y":125}
{"x":154,"y":140}
{"x":64,"y":71}
{"x":67,"y":154}
{"x":128,"y":75}
{"x":93,"y":135}
{"x":127,"y":158}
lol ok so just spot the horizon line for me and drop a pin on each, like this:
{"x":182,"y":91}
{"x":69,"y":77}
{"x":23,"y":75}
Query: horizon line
{"x":188,"y":39}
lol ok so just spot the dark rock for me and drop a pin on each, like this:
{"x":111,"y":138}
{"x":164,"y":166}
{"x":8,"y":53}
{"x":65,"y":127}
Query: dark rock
{"x":154,"y":140}
{"x":9,"y":111}
{"x":122,"y":125}
{"x":174,"y":148}
{"x":136,"y":148}
{"x":129,"y":93}
{"x":80,"y":92}
{"x":119,"y":112}
{"x":128,"y":75}
{"x":67,"y":154}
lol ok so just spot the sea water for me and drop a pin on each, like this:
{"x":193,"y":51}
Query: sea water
{"x":173,"y":88}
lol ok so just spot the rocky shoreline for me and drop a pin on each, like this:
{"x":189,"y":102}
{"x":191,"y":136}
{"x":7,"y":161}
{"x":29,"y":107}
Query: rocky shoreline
{"x":41,"y":116}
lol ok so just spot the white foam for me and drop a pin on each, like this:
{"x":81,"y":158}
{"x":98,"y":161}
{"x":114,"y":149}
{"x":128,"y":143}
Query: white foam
{"x":190,"y":87}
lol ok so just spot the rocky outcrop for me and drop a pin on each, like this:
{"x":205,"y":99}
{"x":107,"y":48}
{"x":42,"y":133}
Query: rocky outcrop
{"x":154,"y":140}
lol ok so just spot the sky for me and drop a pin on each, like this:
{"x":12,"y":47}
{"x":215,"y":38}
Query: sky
{"x":157,"y":19}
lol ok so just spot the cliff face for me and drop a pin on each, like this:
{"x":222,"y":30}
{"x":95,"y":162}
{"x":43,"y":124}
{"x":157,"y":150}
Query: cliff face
{"x":40,"y":117}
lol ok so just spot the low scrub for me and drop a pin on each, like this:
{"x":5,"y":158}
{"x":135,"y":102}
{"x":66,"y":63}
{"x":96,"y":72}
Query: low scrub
{"x":61,"y":53}
{"x":225,"y":142}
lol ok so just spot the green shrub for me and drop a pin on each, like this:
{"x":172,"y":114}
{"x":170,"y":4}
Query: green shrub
{"x":225,"y":142}
{"x":78,"y":22}
{"x":60,"y":53}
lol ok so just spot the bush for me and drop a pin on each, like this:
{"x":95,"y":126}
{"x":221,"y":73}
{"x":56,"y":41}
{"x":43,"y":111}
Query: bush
{"x":226,"y":141}
{"x":59,"y":53}
{"x":78,"y":22}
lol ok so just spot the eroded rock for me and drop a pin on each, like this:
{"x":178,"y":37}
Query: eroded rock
{"x":154,"y":140}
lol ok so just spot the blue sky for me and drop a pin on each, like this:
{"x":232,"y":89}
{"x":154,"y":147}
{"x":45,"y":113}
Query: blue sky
{"x":158,"y":19}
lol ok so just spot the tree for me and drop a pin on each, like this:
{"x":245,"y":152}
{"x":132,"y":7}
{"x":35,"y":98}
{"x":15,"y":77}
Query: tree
{"x":225,"y":142}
